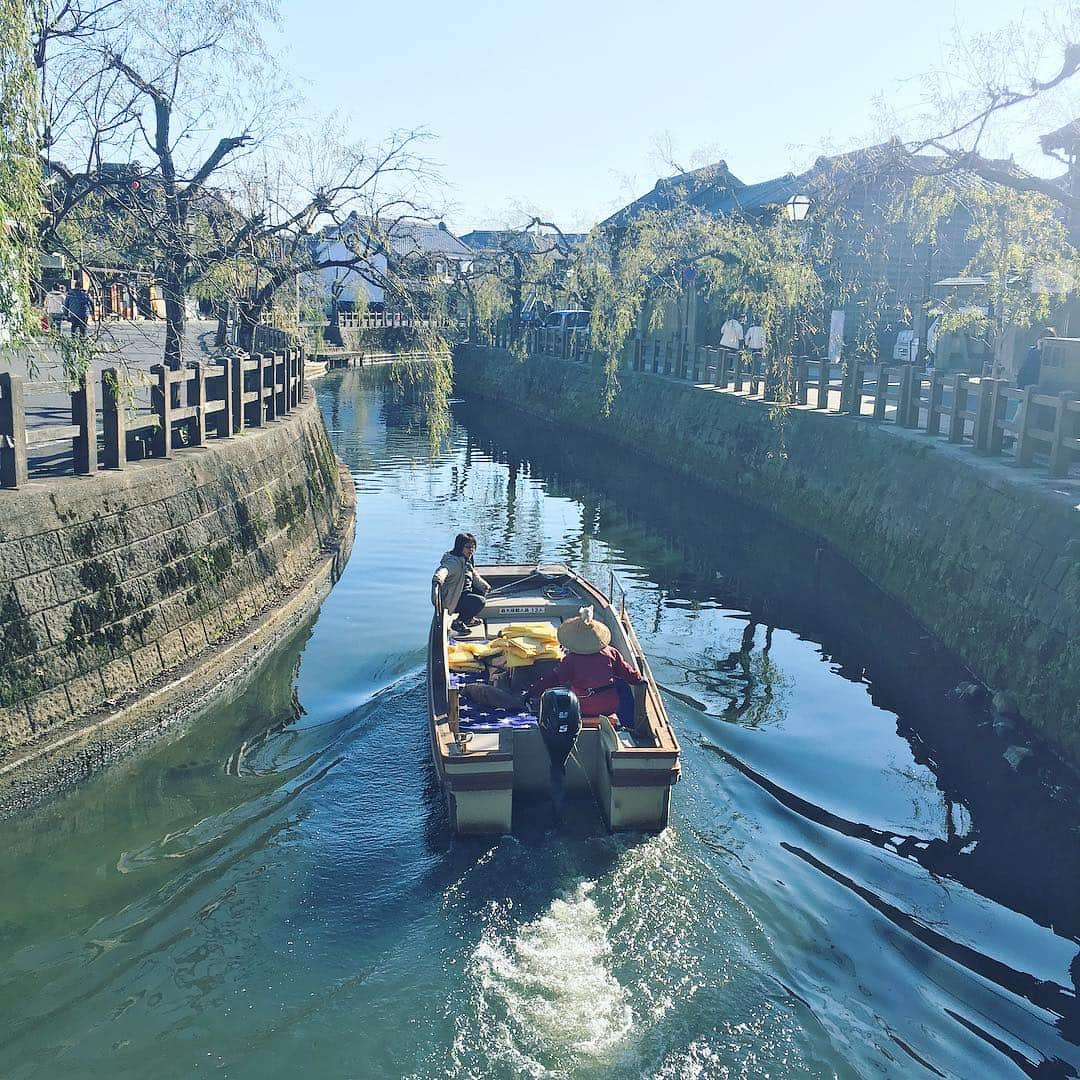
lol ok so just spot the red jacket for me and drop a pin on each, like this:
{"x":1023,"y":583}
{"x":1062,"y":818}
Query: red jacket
{"x":594,"y":671}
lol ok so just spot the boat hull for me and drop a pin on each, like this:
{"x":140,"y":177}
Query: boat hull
{"x":630,"y":777}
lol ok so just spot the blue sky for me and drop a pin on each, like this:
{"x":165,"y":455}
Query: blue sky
{"x":559,"y":107}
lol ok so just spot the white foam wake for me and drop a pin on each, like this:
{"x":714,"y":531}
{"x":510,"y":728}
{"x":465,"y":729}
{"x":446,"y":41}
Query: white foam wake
{"x":547,"y":993}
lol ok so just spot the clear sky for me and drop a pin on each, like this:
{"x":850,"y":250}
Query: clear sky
{"x":558,"y":107}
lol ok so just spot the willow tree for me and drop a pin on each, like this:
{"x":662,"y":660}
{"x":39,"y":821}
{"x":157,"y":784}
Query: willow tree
{"x":1020,"y":248}
{"x":20,"y":177}
{"x":731,"y":263}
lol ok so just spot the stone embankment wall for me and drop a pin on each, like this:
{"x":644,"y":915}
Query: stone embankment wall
{"x":111,"y":584}
{"x":986,"y":558}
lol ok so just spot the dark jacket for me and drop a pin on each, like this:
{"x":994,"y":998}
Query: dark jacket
{"x":78,"y":305}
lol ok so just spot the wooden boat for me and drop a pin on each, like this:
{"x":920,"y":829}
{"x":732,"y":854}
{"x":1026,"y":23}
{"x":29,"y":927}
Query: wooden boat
{"x":487,"y":756}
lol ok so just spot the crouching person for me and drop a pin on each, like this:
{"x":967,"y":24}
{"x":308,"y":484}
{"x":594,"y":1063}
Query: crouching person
{"x":460,"y":587}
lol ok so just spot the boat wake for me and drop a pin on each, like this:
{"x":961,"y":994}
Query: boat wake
{"x":546,"y":996}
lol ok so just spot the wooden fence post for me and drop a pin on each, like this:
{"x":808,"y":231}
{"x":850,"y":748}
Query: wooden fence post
{"x":84,"y":416}
{"x":196,"y":396}
{"x":737,"y":374}
{"x":824,"y":378}
{"x":801,"y":374}
{"x":846,"y":382}
{"x":1066,"y":423}
{"x":13,"y":469}
{"x":881,"y":393}
{"x":998,"y":401}
{"x":224,"y":427}
{"x":959,"y":407}
{"x":1025,"y":444}
{"x":858,"y":375}
{"x":259,"y":413}
{"x":1060,"y":456}
{"x":903,"y":406}
{"x":236,"y":378}
{"x":723,"y":368}
{"x":755,"y":382}
{"x":113,"y":420}
{"x":915,"y":399}
{"x":162,"y":404}
{"x":271,"y":400}
{"x":983,"y":415}
{"x":933,"y":407}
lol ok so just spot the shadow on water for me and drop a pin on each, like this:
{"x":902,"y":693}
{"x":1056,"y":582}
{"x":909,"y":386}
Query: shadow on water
{"x":717,"y":550}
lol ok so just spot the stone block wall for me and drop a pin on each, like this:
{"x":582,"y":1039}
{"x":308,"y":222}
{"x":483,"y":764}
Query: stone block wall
{"x":110,"y":582}
{"x":986,"y":556}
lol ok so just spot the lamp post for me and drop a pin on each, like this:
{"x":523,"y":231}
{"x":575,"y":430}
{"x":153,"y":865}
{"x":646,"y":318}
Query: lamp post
{"x":795,"y":210}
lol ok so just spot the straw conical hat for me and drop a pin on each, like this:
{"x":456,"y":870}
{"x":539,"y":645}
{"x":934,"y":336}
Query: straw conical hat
{"x":584,"y":634}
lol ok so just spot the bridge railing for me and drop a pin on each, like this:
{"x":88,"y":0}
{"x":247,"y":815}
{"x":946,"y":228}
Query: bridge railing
{"x":379,"y":320}
{"x":996,"y":420}
{"x":187,"y":407}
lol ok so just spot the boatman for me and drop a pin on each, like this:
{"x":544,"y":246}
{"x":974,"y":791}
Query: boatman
{"x":593,"y":669}
{"x":460,"y":587}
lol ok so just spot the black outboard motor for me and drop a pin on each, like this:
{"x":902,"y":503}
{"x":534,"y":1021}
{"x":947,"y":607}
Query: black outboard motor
{"x":560,"y":723}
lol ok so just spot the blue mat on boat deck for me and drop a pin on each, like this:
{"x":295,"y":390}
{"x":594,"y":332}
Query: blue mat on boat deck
{"x":473,"y":716}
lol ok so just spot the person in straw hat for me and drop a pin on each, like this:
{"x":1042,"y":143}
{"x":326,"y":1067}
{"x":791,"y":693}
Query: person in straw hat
{"x":590,"y":668}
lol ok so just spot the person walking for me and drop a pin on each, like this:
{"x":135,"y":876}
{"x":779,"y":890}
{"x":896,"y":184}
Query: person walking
{"x":54,"y":307}
{"x":457,"y":584}
{"x":78,"y":307}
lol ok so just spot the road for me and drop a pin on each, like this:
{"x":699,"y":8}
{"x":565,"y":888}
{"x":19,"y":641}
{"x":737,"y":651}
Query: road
{"x":131,"y":347}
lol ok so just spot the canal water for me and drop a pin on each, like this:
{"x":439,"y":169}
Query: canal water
{"x":853,"y":884}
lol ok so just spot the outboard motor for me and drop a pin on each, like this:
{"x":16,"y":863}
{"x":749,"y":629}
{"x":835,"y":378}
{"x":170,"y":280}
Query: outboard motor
{"x":560,"y":723}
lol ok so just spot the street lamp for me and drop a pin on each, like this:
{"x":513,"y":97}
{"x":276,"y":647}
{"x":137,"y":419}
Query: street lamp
{"x":796,"y":207}
{"x":795,"y":210}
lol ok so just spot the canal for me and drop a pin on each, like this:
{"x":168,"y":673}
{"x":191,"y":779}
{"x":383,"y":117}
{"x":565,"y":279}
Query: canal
{"x":854,"y":883}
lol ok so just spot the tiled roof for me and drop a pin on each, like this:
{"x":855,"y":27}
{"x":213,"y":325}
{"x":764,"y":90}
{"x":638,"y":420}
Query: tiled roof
{"x":699,"y":187}
{"x":421,"y":238}
{"x":407,"y":237}
{"x":517,"y":240}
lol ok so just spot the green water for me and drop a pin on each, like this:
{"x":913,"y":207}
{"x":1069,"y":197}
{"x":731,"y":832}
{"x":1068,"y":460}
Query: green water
{"x":850,"y":887}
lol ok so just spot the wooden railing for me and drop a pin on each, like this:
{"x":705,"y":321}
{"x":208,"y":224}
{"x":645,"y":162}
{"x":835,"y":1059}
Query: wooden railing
{"x":347,"y":358}
{"x":187,"y":407}
{"x":377,"y":320}
{"x":988,"y":414}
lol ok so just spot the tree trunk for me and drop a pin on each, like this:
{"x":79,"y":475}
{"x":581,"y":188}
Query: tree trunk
{"x":248,"y":315}
{"x":175,"y":321}
{"x":515,"y":301}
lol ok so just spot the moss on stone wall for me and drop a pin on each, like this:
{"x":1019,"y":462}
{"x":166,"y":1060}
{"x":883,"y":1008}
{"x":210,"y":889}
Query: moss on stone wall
{"x":105,"y":584}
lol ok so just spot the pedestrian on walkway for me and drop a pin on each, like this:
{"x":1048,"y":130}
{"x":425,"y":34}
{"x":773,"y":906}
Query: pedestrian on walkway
{"x":78,"y":307}
{"x":54,"y":307}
